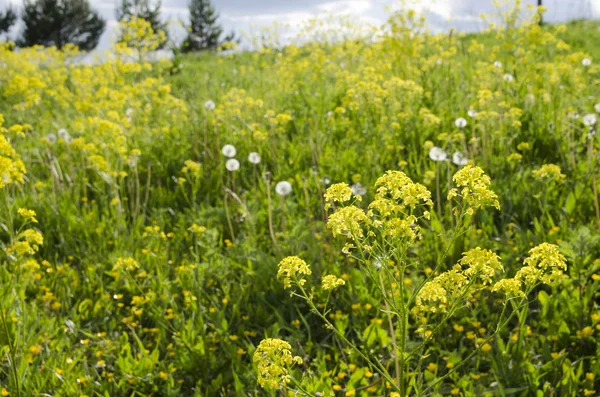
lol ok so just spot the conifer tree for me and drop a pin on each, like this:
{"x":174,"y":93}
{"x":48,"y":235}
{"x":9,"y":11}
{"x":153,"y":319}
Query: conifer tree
{"x":60,"y":22}
{"x":204,"y":30}
{"x":7,"y":19}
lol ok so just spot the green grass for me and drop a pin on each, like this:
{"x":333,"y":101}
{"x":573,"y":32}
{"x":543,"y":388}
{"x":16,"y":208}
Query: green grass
{"x":158,"y":271}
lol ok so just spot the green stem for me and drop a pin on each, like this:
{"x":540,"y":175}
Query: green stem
{"x":379,"y":367}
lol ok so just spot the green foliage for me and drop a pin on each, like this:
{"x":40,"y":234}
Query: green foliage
{"x":7,"y":19}
{"x":157,"y":274}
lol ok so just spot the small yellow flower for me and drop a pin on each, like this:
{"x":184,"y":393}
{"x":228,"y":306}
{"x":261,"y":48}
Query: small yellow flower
{"x":35,"y":350}
{"x":486,"y":348}
{"x":27,"y":214}
{"x":331,"y":282}
{"x":272,"y":359}
{"x":432,"y":367}
{"x":291,"y":269}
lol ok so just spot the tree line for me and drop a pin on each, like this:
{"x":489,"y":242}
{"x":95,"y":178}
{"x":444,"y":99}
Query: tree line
{"x":60,"y":22}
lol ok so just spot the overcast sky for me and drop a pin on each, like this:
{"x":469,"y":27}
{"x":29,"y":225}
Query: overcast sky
{"x":243,"y":15}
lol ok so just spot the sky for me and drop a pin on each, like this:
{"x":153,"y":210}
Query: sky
{"x":251,"y":15}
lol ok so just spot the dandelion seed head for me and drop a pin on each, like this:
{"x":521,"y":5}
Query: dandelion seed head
{"x":254,"y":158}
{"x":590,"y":119}
{"x":229,"y":151}
{"x":209,"y":105}
{"x":232,"y":165}
{"x":459,"y":159}
{"x":508,"y":77}
{"x":586,"y":61}
{"x":498,"y":64}
{"x":283,"y":188}
{"x":472,"y":113}
{"x":63,"y":133}
{"x":358,"y":189}
{"x":460,"y":122}
{"x":438,"y":154}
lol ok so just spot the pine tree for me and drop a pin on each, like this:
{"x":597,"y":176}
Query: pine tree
{"x":205,"y":32}
{"x":60,"y":22}
{"x":7,"y":19}
{"x":142,"y":9}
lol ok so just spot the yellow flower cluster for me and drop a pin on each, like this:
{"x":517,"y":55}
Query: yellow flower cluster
{"x":549,"y":172}
{"x":509,"y":287}
{"x":291,"y":270}
{"x":137,"y":33}
{"x":348,"y":222}
{"x":193,"y":168}
{"x":29,"y":215}
{"x":338,"y":192}
{"x":28,"y":242}
{"x":481,"y":263}
{"x":129,"y":264}
{"x":545,"y":264}
{"x":272,"y":359}
{"x":475,"y":190}
{"x":197,"y":230}
{"x":331,"y":282}
{"x":396,"y":192}
{"x":449,"y":286}
{"x":12,"y":168}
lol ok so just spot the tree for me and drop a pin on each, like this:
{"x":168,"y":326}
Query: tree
{"x":142,"y":9}
{"x":60,"y":22}
{"x":7,"y":19}
{"x":204,"y":31}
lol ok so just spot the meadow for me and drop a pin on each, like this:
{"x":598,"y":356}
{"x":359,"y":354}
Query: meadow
{"x":409,"y":214}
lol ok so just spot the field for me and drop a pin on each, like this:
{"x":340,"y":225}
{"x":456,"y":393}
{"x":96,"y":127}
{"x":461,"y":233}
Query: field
{"x":415,"y":215}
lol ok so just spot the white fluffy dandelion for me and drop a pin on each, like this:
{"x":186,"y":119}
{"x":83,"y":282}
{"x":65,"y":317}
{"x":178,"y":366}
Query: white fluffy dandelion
{"x":358,"y":189}
{"x":51,"y":138}
{"x":472,"y":113}
{"x":209,"y":105}
{"x":377,"y":263}
{"x":229,"y":151}
{"x":597,"y":107}
{"x":460,"y":122}
{"x":590,"y":120}
{"x":498,"y":64}
{"x":438,"y":154}
{"x":283,"y":188}
{"x":459,"y":159}
{"x":254,"y":158}
{"x":508,"y":77}
{"x":232,"y":165}
{"x":586,"y":61}
{"x":63,"y":133}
